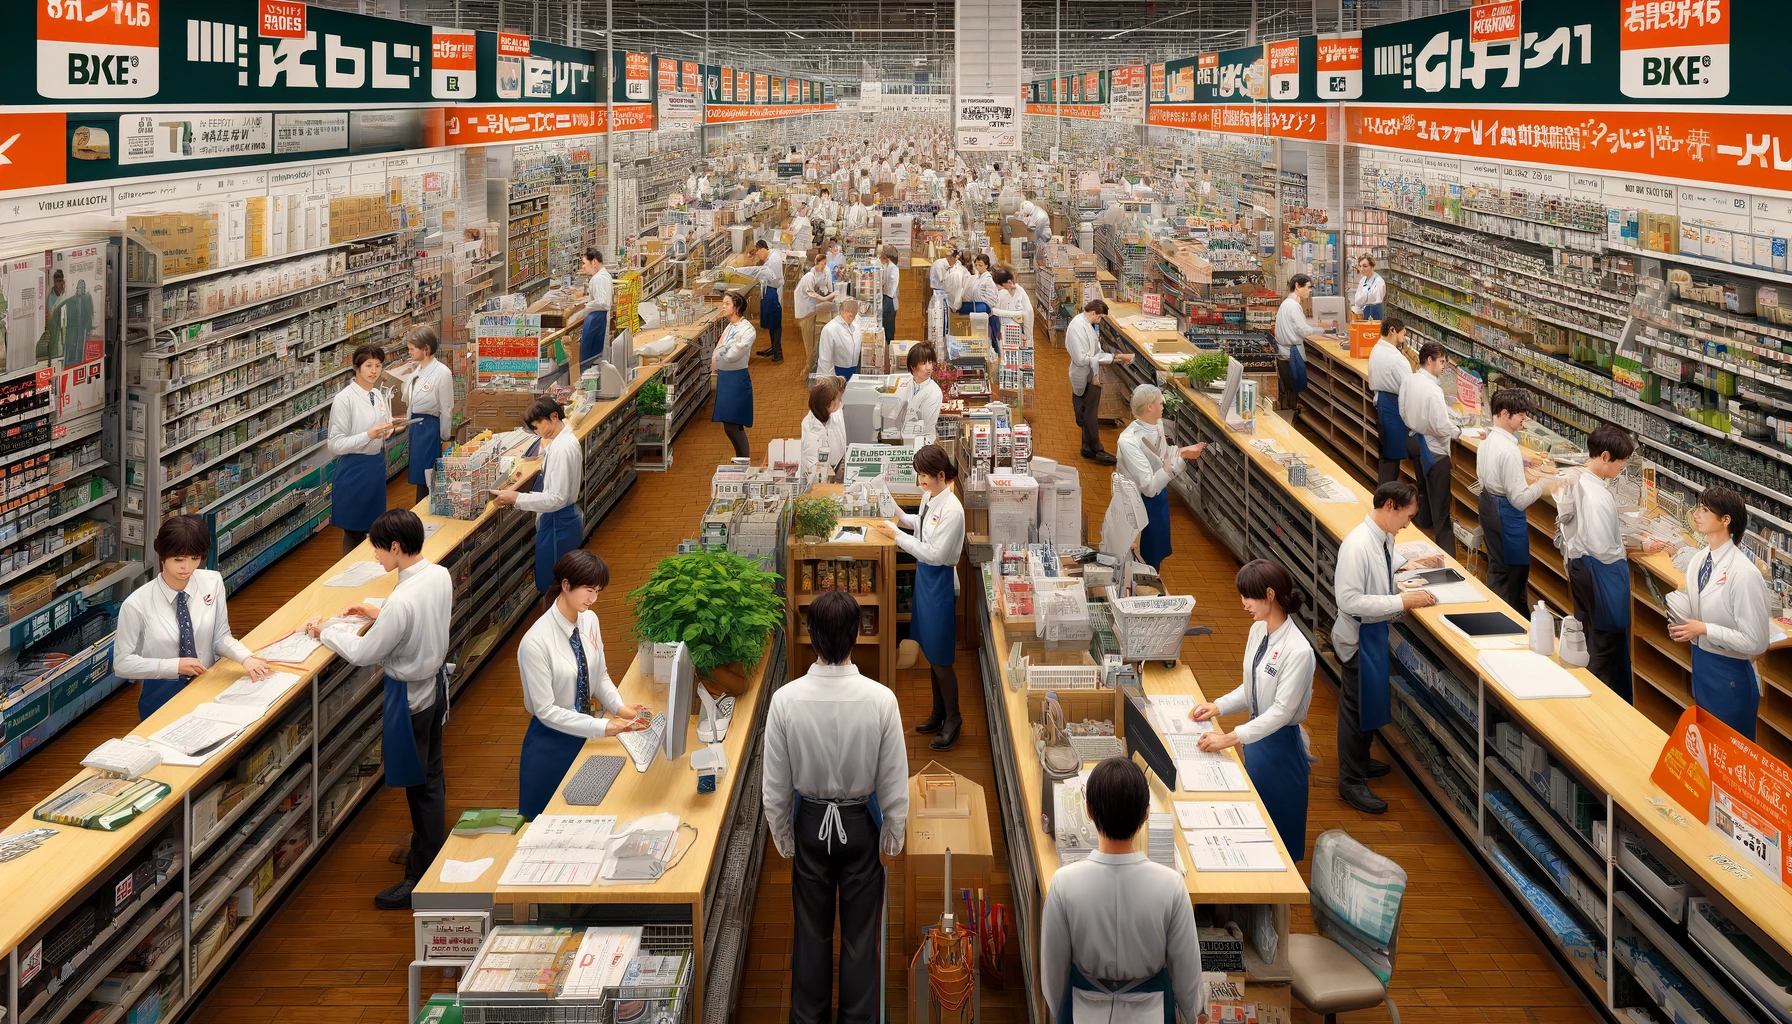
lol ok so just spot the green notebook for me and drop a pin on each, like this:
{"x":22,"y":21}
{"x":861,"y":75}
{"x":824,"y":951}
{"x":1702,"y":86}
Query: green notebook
{"x":101,"y":802}
{"x":498,"y":820}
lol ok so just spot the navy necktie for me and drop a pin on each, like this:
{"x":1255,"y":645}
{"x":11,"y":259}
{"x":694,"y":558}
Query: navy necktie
{"x":582,"y":699}
{"x":189,"y":648}
{"x":1388,"y":552}
{"x":1256,"y":660}
{"x":1705,"y":571}
{"x":370,"y":400}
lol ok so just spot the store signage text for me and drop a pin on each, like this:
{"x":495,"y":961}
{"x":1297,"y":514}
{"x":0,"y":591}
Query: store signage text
{"x":1282,"y":121}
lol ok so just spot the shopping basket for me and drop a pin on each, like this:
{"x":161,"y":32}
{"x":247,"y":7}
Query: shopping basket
{"x":1153,"y":627}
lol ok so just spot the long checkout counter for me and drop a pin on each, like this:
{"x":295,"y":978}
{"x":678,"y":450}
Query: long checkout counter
{"x":1582,"y":818}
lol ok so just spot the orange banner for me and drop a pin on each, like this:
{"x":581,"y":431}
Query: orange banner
{"x":1732,"y":785}
{"x":476,"y":125}
{"x":734,"y":115}
{"x":1309,"y":121}
{"x":1086,"y":111}
{"x":31,"y":150}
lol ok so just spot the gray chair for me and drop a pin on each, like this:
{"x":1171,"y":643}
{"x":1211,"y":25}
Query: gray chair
{"x":1341,"y":969}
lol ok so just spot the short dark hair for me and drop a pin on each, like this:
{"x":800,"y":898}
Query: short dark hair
{"x":822,"y":394}
{"x":581,"y":568}
{"x":1000,"y":275}
{"x":1398,"y":493}
{"x":1722,"y":501}
{"x":183,"y":537}
{"x":921,"y":352}
{"x":933,"y":460}
{"x":1510,"y":401}
{"x":1098,"y":306}
{"x":1615,"y":442}
{"x":1297,"y":280}
{"x":1260,"y":576}
{"x":1432,"y":350}
{"x":592,"y":252}
{"x":423,"y":337}
{"x":738,"y":300}
{"x":834,"y":626}
{"x":984,"y":259}
{"x":543,"y":407}
{"x":366,"y":352}
{"x":1117,"y":798}
{"x":1392,"y":324}
{"x":761,"y":245}
{"x":398,"y":526}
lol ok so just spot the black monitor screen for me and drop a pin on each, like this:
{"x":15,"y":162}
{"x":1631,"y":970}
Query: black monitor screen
{"x":1143,"y":740}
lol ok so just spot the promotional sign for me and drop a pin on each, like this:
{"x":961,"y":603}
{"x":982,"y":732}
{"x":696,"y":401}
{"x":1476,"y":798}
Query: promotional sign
{"x":761,"y":88}
{"x":761,"y":112}
{"x":1159,"y":80}
{"x":1338,"y":73}
{"x":115,"y":52}
{"x":81,"y":387}
{"x":636,"y":82}
{"x":76,"y":322}
{"x":668,"y":73}
{"x":1313,"y":123}
{"x":693,"y":78}
{"x":1126,"y":95}
{"x":1284,"y":69}
{"x":1733,"y":786}
{"x":871,"y":97}
{"x":516,"y":68}
{"x":1493,"y":23}
{"x":168,"y":138}
{"x":988,"y":123}
{"x":310,"y":132}
{"x":453,"y":64}
{"x":727,"y":85}
{"x":477,"y":125}
{"x":32,"y":147}
{"x":680,"y":111}
{"x":1674,"y":51}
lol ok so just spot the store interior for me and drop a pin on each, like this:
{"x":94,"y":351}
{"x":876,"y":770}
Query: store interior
{"x":1559,"y":229}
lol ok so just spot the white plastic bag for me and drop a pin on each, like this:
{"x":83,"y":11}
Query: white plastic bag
{"x":1125,"y":518}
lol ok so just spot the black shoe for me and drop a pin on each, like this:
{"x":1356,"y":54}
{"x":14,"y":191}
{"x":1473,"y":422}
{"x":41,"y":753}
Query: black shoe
{"x":1359,"y":797}
{"x":777,"y":359}
{"x":1379,"y":768}
{"x":398,"y":897}
{"x":767,"y":352}
{"x":948,"y":737}
{"x":931,"y":724}
{"x":1103,"y":458}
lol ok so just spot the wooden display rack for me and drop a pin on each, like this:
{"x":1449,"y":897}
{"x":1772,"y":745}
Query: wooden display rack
{"x":880,"y":600}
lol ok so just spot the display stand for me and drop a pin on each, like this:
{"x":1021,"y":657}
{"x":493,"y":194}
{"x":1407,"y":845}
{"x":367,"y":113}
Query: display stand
{"x":818,"y":561}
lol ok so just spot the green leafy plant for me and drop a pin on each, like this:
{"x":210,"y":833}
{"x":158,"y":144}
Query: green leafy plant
{"x":1172,"y":402}
{"x":651,"y":399}
{"x":722,"y":606}
{"x":1204,"y":368}
{"x":815,"y":515}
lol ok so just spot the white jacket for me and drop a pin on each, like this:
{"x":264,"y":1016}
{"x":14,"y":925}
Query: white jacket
{"x":1733,"y":605}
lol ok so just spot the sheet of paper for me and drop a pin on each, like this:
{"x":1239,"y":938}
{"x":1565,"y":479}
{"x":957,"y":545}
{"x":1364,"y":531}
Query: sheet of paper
{"x":553,"y":867}
{"x":1219,"y":851}
{"x":1212,"y":814}
{"x":358,"y":575}
{"x":1527,"y":675}
{"x":1457,"y":593}
{"x":567,"y":831}
{"x":192,"y":735}
{"x":261,"y":694}
{"x":1169,"y":712}
{"x":291,"y":649}
{"x":235,"y":715}
{"x":460,"y":872}
{"x":430,"y":529}
{"x":172,"y":756}
{"x":1222,"y":776}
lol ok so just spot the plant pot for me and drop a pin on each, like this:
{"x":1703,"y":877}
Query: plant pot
{"x":730,"y":678}
{"x":810,"y":538}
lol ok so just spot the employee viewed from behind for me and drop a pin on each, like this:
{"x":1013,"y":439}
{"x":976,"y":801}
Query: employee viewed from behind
{"x":1117,"y":941}
{"x":1149,"y":460}
{"x":835,"y":790}
{"x":1082,"y":343}
{"x":1593,"y":544}
{"x":1499,"y":466}
{"x":1367,"y":601}
{"x":360,"y":422}
{"x":430,"y":398}
{"x":891,"y":283}
{"x":1277,"y":689}
{"x":824,"y":432}
{"x":1371,"y":291}
{"x":921,"y":392}
{"x":559,"y":528}
{"x":408,"y":639}
{"x":937,"y":544}
{"x":813,"y":291}
{"x":838,"y":351}
{"x":1388,"y":370}
{"x":1430,"y":426}
{"x":600,"y":293}
{"x":1722,"y":610}
{"x":733,"y":407}
{"x":566,"y":683}
{"x":1292,"y":331}
{"x":176,"y":626}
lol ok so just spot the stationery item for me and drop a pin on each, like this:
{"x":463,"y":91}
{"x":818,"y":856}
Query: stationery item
{"x":1455,"y":593}
{"x":1574,"y":643}
{"x":1484,"y":625}
{"x":125,"y":760}
{"x":643,"y":744}
{"x":521,"y":961}
{"x":1432,"y":577}
{"x":1207,"y":815}
{"x":603,"y":959}
{"x":460,"y":872}
{"x":100,"y":802}
{"x":642,"y":855}
{"x":206,"y":727}
{"x":1543,"y":630}
{"x":18,"y":844}
{"x":1169,"y":712}
{"x":358,"y":575}
{"x":1160,"y":838}
{"x":262,"y":694}
{"x":488,"y":820}
{"x":560,"y":850}
{"x":1201,"y":771}
{"x":1227,"y":851}
{"x":291,"y":649}
{"x":848,"y":535}
{"x":592,"y":781}
{"x":1527,"y":675}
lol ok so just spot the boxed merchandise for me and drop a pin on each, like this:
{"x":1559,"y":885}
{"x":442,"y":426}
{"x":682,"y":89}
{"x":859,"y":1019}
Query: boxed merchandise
{"x":1013,"y":507}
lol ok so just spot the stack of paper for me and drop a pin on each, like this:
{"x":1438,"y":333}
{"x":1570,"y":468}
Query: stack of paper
{"x":1235,"y":851}
{"x":1205,"y":815}
{"x":1169,"y":712}
{"x":291,"y":649}
{"x":1527,"y":675}
{"x":1160,"y":838}
{"x":262,"y":694}
{"x":358,"y":575}
{"x":206,"y":728}
{"x":125,"y":760}
{"x":603,"y":958}
{"x":560,"y":849}
{"x":1201,"y":771}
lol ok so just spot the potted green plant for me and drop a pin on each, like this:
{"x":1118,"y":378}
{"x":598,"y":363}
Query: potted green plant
{"x":1203,"y":368}
{"x":814,"y":516}
{"x":721,"y":606}
{"x":651,"y":399}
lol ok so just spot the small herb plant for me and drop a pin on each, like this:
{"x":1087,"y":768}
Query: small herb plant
{"x":722,"y":606}
{"x":815,"y":515}
{"x":1204,"y":368}
{"x":651,"y":399}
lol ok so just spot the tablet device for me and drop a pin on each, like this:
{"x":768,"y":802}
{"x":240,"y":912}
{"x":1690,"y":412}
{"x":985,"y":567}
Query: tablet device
{"x":1435,"y":577}
{"x":1479,"y":625}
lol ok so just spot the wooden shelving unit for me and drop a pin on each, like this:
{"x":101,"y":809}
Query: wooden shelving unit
{"x":875,"y":653}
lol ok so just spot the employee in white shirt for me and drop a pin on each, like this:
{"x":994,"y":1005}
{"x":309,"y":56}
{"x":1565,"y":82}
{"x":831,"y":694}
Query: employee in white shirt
{"x":802,"y":235}
{"x":566,"y":684}
{"x":1593,"y":543}
{"x":559,"y":527}
{"x":1292,"y":331}
{"x":1430,"y":426}
{"x":1388,"y":370}
{"x":408,"y":639}
{"x":768,"y":273}
{"x":360,"y":422}
{"x":824,"y":431}
{"x":865,"y":216}
{"x":938,"y":273}
{"x":1505,"y":495}
{"x":176,"y":626}
{"x":1277,"y":690}
{"x":826,"y":214}
{"x":959,"y":291}
{"x":1082,"y":343}
{"x":983,"y":292}
{"x":733,"y":406}
{"x":1010,"y":301}
{"x":921,"y":392}
{"x":1149,"y":461}
{"x":838,"y":351}
{"x":835,"y":792}
{"x":1038,"y":221}
{"x":430,"y":394}
{"x":1722,"y":610}
{"x":937,"y":544}
{"x":1367,"y":600}
{"x":601,"y":298}
{"x":890,"y":281}
{"x":1371,"y":291}
{"x":815,"y":288}
{"x":1117,"y":940}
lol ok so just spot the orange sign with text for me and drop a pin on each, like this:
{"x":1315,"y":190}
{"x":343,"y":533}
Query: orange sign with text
{"x":31,"y":150}
{"x":1085,"y":111}
{"x":470,"y":125}
{"x":1732,"y":785}
{"x":1281,"y":120}
{"x":1493,"y":23}
{"x":737,"y":114}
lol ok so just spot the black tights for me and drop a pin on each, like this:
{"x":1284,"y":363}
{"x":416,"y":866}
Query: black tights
{"x":945,"y":693}
{"x":352,"y":539}
{"x":422,"y":491}
{"x":737,"y":436}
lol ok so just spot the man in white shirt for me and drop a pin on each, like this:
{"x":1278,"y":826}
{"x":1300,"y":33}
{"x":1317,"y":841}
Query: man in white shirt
{"x":1367,"y":600}
{"x":827,"y":212}
{"x":408,"y":639}
{"x":1593,"y":545}
{"x":1388,"y":370}
{"x":1721,"y":610}
{"x":1037,"y":220}
{"x":864,"y":216}
{"x":1505,"y":495}
{"x":559,"y":527}
{"x":1430,"y":426}
{"x":601,"y":298}
{"x":835,"y":789}
{"x":1082,"y":341}
{"x":838,"y":351}
{"x":1292,"y":331}
{"x":815,"y":288}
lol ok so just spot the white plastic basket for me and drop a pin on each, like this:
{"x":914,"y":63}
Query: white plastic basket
{"x":1148,"y":628}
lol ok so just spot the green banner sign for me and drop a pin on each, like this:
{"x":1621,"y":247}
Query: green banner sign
{"x":515,"y":68}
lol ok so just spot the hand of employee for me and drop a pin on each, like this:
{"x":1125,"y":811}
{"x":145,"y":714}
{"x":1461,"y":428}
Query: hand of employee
{"x":381,"y":431}
{"x":1417,"y":599}
{"x":1202,"y":712}
{"x":618,"y":726}
{"x":1193,"y":451}
{"x":1123,"y":357}
{"x":1217,"y":741}
{"x":1428,"y":562}
{"x":505,"y":497}
{"x":1683,"y":632}
{"x":189,"y":667}
{"x":314,"y":626}
{"x":1653,"y":545}
{"x":256,"y":668}
{"x":365,"y":611}
{"x":884,"y":528}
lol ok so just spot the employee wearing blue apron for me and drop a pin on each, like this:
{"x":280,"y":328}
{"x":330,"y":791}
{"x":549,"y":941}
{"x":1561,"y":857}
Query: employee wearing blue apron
{"x":837,"y":353}
{"x":360,"y":422}
{"x":1277,"y":689}
{"x":1593,"y":544}
{"x":1722,"y":611}
{"x":430,"y":396}
{"x":1367,"y":600}
{"x":600,"y":292}
{"x":1117,"y":941}
{"x":566,"y":684}
{"x":1505,"y":495}
{"x":768,"y":271}
{"x":1149,"y":461}
{"x":733,"y":407}
{"x":1371,"y":291}
{"x":176,"y":626}
{"x":984,"y":288}
{"x":408,"y":639}
{"x":1430,"y":426}
{"x":1292,"y":331}
{"x":1388,"y":370}
{"x":937,"y":543}
{"x":835,"y":793}
{"x":555,"y":499}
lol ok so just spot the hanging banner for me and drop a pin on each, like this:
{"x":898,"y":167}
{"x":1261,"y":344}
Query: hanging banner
{"x":1737,"y":789}
{"x":668,"y":73}
{"x":680,"y":111}
{"x":1283,"y":62}
{"x":1126,"y":95}
{"x":636,"y":77}
{"x":175,"y":138}
{"x":453,"y":63}
{"x":762,"y":112}
{"x":469,"y":125}
{"x":727,"y":85}
{"x":988,"y":123}
{"x":692,"y":80}
{"x":1078,"y":111}
{"x":1313,"y":122}
{"x":1338,"y":74}
{"x":513,"y":67}
{"x":1159,"y":83}
{"x":761,"y":88}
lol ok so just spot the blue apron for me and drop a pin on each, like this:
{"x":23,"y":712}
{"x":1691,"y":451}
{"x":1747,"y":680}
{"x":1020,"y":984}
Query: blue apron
{"x":1426,"y":458}
{"x":845,"y":372}
{"x":1297,"y":368}
{"x":1515,"y":536}
{"x":157,"y":692}
{"x":548,"y":754}
{"x":970,"y":307}
{"x":1727,"y":688}
{"x":734,"y":397}
{"x":404,"y":766}
{"x":358,"y":494}
{"x":995,"y":327}
{"x":1279,"y":766}
{"x":1154,"y":539}
{"x":1373,"y":311}
{"x":932,"y":625}
{"x":1393,"y":428}
{"x":771,"y":314}
{"x":426,"y":447}
{"x":593,"y":336}
{"x":1374,"y":699}
{"x":1158,"y":984}
{"x":1611,"y":610}
{"x":889,"y":318}
{"x":556,"y":533}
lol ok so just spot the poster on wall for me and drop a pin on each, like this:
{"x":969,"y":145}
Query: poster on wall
{"x":668,"y":73}
{"x":761,"y":88}
{"x":75,"y":322}
{"x":680,"y":111}
{"x":313,"y":132}
{"x":22,"y":283}
{"x":1126,"y":95}
{"x":693,"y":78}
{"x":174,"y":137}
{"x":512,"y":50}
{"x":636,"y":83}
{"x":453,"y":64}
{"x":81,"y":388}
{"x":1283,"y":58}
{"x":1338,"y":74}
{"x":988,"y":123}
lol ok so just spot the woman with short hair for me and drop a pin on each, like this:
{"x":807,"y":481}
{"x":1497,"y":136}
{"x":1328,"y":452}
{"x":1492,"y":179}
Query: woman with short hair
{"x":824,"y":431}
{"x":1149,"y":461}
{"x":936,"y":545}
{"x":360,"y":422}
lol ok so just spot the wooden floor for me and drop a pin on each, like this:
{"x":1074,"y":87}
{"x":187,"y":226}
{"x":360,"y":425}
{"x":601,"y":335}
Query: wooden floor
{"x":1464,"y":956}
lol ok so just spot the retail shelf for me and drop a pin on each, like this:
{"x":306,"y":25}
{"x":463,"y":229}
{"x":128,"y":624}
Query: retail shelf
{"x":130,"y":571}
{"x":64,"y":517}
{"x":246,"y":928}
{"x":1664,"y":447}
{"x":68,"y":996}
{"x":1698,"y":261}
{"x":1689,"y":966}
{"x":251,"y":862}
{"x":246,"y":264}
{"x":1588,"y":331}
{"x":257,"y":439}
{"x":157,"y":327}
{"x":339,"y":339}
{"x":54,"y":443}
{"x":1502,"y":268}
{"x":1567,"y":898}
{"x":237,"y":330}
{"x":1573,"y":846}
{"x":199,"y":876}
{"x":226,"y":823}
{"x":251,"y":414}
{"x":1736,"y":439}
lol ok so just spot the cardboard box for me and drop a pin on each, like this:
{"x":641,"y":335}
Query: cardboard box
{"x":497,"y":409}
{"x":929,"y":837}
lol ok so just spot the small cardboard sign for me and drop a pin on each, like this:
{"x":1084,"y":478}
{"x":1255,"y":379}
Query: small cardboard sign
{"x":1732,"y":785}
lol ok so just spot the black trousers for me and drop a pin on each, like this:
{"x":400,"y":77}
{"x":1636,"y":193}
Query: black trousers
{"x":1386,"y":471}
{"x":1287,"y":399}
{"x":1608,"y":650}
{"x":1508,"y":582}
{"x":1087,"y":408}
{"x":890,"y":320}
{"x":1353,"y":741}
{"x":848,"y":877}
{"x":428,"y":801}
{"x":351,"y":539}
{"x":1434,"y":495}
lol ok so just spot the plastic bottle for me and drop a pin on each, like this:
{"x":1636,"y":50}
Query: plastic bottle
{"x":1574,"y":643}
{"x":1543,"y":631}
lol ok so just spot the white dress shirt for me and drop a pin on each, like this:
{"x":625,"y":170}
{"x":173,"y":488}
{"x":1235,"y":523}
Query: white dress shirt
{"x":819,"y":436}
{"x":985,"y":290}
{"x":1016,"y":304}
{"x":1594,"y":528}
{"x":1283,"y":682}
{"x":600,"y":291}
{"x":958,"y":286}
{"x":924,"y":402}
{"x":146,"y":644}
{"x":551,"y":674}
{"x":1388,"y":368}
{"x":1369,"y":291}
{"x":1733,"y":605}
{"x":562,"y":470}
{"x":769,"y":275}
{"x":815,"y":287}
{"x":1425,"y":412}
{"x":1082,"y":342}
{"x":1362,"y":584}
{"x":839,"y":346}
{"x":1147,"y":458}
{"x":835,"y":735}
{"x":1293,"y":327}
{"x":354,"y":412}
{"x":431,"y":393}
{"x":862,"y":216}
{"x":939,"y":529}
{"x":1500,"y":467}
{"x":410,"y":638}
{"x":1120,"y":917}
{"x":938,"y":274}
{"x":734,"y":350}
{"x":891,"y":282}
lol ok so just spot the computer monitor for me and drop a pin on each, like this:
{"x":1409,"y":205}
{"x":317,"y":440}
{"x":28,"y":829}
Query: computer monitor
{"x":619,"y":351}
{"x":1143,"y":740}
{"x":679,"y":695}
